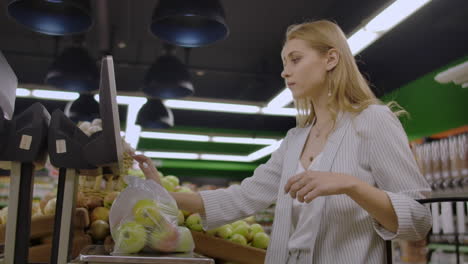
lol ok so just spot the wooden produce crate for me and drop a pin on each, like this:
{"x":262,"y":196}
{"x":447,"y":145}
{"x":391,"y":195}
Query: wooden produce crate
{"x":225,"y":250}
{"x":42,"y":229}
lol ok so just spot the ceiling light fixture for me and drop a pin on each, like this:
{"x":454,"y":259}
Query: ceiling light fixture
{"x":55,"y":95}
{"x":168,"y":77}
{"x":175,"y":136}
{"x":171,"y":155}
{"x":57,"y":17}
{"x":211,"y":106}
{"x":244,"y":140}
{"x":155,"y":115}
{"x":85,"y":108}
{"x":74,"y":70}
{"x":189,"y":23}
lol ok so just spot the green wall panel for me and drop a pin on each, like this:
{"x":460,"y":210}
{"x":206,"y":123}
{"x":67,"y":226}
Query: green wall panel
{"x":433,"y":107}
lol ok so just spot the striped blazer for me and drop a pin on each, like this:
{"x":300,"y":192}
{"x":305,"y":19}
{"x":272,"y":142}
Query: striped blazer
{"x":371,"y":146}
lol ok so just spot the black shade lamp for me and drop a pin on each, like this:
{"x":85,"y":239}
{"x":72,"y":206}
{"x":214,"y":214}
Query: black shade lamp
{"x":155,"y":115}
{"x":85,"y":108}
{"x":74,"y":70}
{"x":52,"y":17}
{"x":189,"y":23}
{"x":168,"y":77}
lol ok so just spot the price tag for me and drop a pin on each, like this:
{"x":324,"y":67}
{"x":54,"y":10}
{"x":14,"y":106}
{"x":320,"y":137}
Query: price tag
{"x":25,"y":142}
{"x":61,"y":146}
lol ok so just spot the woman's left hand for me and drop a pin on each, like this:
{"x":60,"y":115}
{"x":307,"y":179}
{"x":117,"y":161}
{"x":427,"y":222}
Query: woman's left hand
{"x":309,"y":185}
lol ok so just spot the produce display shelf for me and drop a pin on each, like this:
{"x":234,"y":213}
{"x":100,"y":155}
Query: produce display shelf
{"x":225,"y":250}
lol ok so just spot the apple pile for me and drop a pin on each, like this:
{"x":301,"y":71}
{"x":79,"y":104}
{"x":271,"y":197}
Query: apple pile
{"x":245,"y":232}
{"x":150,"y":229}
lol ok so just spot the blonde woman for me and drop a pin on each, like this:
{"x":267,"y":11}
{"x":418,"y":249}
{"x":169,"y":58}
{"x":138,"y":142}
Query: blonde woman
{"x":344,"y":180}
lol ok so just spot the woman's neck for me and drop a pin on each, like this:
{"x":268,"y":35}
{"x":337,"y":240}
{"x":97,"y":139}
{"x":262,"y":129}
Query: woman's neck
{"x":322,"y":113}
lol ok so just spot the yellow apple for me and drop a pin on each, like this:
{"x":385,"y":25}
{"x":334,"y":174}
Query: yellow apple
{"x":130,"y":237}
{"x":99,"y":213}
{"x":146,"y":212}
{"x":239,"y":239}
{"x":164,"y":239}
{"x":261,"y":240}
{"x":194,"y":222}
{"x":185,"y":243}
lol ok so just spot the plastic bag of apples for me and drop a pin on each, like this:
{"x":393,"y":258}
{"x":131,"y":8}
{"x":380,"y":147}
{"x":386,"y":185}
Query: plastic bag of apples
{"x":144,"y":218}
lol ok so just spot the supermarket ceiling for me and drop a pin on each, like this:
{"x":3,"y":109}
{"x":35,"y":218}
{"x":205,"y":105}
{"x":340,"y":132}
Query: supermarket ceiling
{"x":246,"y":66}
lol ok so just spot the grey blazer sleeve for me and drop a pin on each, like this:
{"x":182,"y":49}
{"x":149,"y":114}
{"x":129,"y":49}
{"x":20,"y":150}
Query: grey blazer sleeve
{"x":255,"y":193}
{"x":395,"y":171}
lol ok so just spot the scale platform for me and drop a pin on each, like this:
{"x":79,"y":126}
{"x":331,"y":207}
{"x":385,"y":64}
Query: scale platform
{"x":96,"y":254}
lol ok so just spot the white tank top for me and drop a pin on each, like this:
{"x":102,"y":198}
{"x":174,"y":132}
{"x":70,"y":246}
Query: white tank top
{"x":303,"y":216}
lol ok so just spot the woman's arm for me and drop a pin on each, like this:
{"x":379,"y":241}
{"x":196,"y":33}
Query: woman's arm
{"x":191,"y":202}
{"x":376,"y":202}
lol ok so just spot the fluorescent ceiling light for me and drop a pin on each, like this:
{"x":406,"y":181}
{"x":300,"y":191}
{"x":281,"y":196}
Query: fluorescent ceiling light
{"x":264,"y":151}
{"x":55,"y":95}
{"x":20,"y":92}
{"x":394,"y":14}
{"x":361,"y":39}
{"x":209,"y":106}
{"x":175,"y":136}
{"x":171,"y":155}
{"x":281,"y":100}
{"x":244,"y":140}
{"x":279,"y":111}
{"x":127,"y":100}
{"x":224,"y":157}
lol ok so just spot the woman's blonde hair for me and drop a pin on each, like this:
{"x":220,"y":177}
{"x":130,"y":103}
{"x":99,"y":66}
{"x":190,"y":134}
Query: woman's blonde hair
{"x":349,"y":90}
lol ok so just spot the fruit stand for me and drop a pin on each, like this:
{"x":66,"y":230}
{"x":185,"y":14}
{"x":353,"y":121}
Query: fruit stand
{"x":75,"y":223}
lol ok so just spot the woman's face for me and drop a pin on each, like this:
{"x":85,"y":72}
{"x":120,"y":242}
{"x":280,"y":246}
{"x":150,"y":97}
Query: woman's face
{"x":304,"y":69}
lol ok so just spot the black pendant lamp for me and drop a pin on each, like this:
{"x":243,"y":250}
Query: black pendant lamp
{"x":85,"y":108}
{"x":74,"y":70}
{"x":168,"y":77}
{"x":189,"y":23}
{"x":52,"y":17}
{"x":155,"y":115}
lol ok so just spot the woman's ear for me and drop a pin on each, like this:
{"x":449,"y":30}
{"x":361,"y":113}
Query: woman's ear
{"x":332,"y":58}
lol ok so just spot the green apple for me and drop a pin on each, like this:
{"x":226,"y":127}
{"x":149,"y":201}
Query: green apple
{"x":250,"y":220}
{"x":256,"y":228}
{"x":180,"y":218}
{"x":185,"y":243}
{"x":194,"y":222}
{"x":241,"y":230}
{"x":239,"y":239}
{"x":186,"y":213}
{"x":224,"y":231}
{"x":167,"y":184}
{"x":164,"y":239}
{"x":239,"y":222}
{"x":130,"y":237}
{"x":261,"y":240}
{"x":146,"y":212}
{"x":184,"y":189}
{"x":173,"y":179}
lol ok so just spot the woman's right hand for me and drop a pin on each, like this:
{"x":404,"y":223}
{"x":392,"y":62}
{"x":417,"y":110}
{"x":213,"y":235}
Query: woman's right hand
{"x":146,"y":165}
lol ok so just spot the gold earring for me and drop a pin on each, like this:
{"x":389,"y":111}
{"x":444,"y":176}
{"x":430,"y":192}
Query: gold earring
{"x":329,"y":92}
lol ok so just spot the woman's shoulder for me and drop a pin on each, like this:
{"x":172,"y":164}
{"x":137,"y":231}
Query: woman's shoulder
{"x":374,"y":118}
{"x":376,"y":113}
